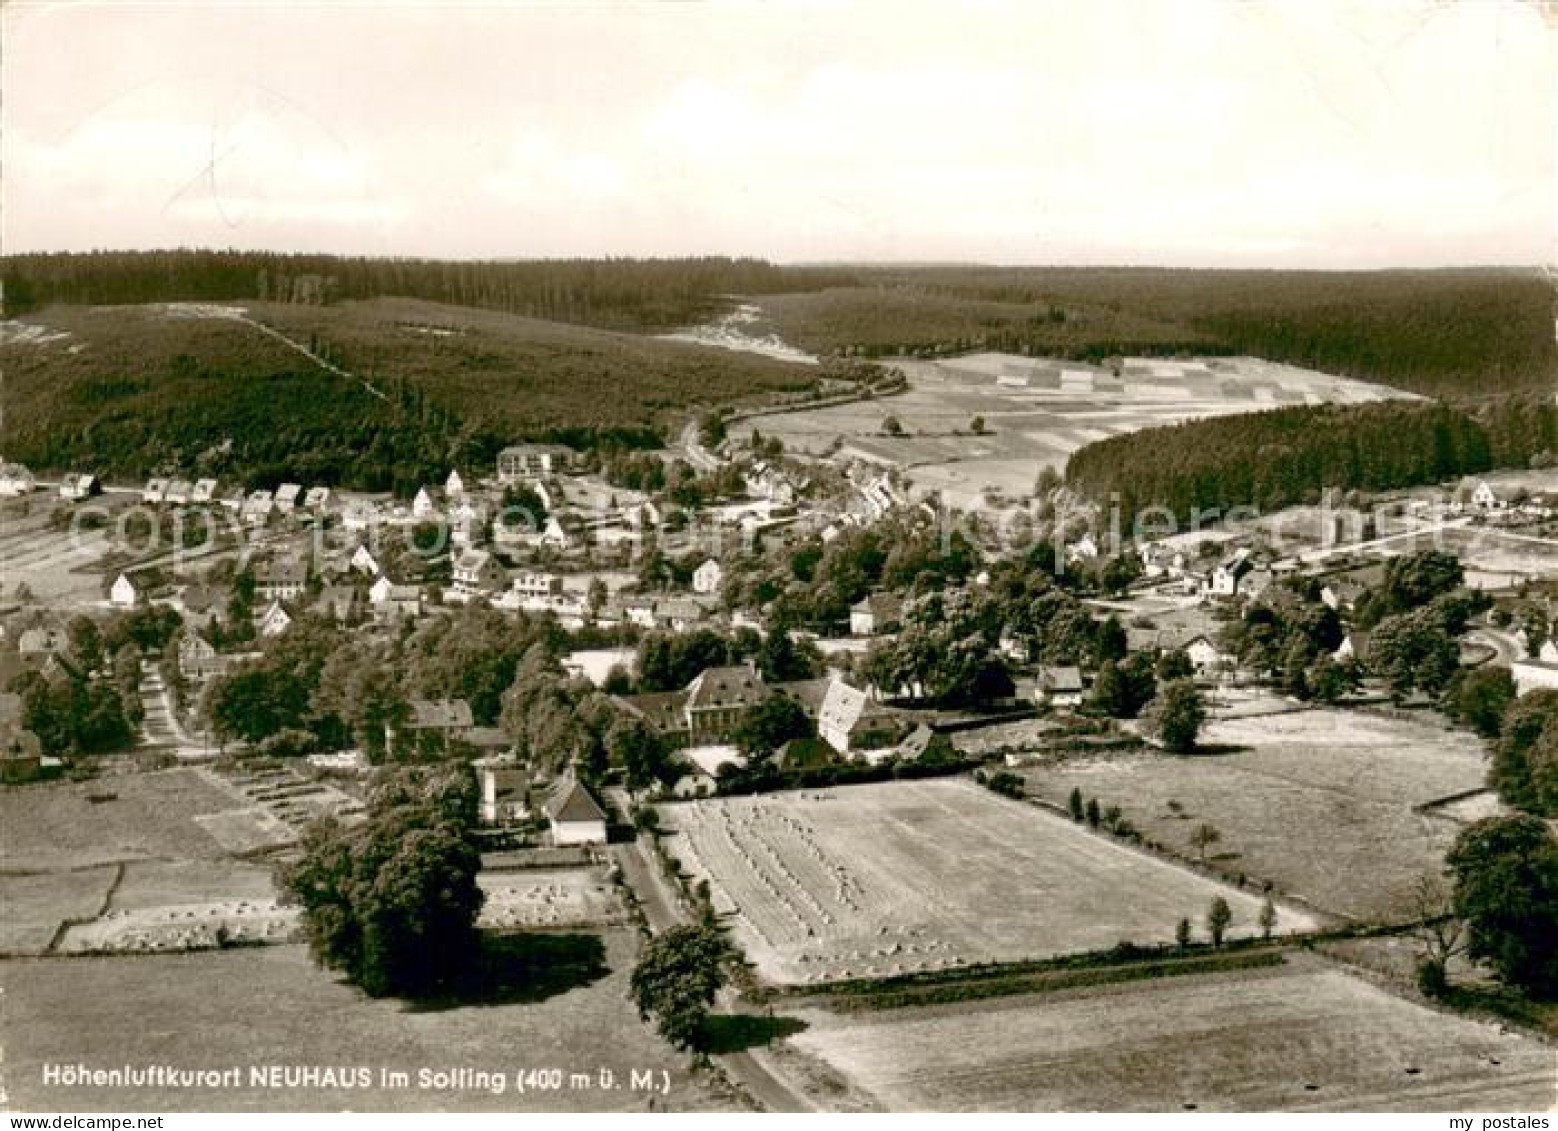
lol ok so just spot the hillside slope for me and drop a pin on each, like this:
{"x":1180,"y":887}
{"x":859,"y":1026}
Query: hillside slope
{"x":130,"y":390}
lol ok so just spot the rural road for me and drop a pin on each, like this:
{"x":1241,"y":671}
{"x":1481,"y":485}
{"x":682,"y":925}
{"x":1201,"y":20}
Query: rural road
{"x":662,"y":909}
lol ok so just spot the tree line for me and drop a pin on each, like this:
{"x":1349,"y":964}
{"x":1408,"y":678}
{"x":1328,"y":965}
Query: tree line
{"x":1289,"y":456}
{"x":632,"y":294}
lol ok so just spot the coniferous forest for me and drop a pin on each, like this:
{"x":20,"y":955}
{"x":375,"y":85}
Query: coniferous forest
{"x":1288,"y":456}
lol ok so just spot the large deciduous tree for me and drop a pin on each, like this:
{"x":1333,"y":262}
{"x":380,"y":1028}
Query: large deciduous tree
{"x":1506,"y":889}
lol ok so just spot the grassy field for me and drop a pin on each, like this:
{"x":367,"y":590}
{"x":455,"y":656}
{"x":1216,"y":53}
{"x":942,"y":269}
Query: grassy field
{"x":875,"y":880}
{"x":33,"y":905}
{"x":1304,"y":1036}
{"x":1037,"y":411}
{"x":272,"y":1006}
{"x":1319,"y":802}
{"x":54,"y":564}
{"x":146,"y":815}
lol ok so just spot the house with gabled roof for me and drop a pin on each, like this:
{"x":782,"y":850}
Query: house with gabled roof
{"x":204,"y":491}
{"x":273,"y":621}
{"x":851,"y":721}
{"x":573,"y":815}
{"x":287,"y":496}
{"x":124,"y":593}
{"x":280,"y":579}
{"x":316,"y":498}
{"x":15,"y":481}
{"x":718,"y":698}
{"x":476,"y":574}
{"x":197,"y":658}
{"x":155,"y":490}
{"x":79,"y":485}
{"x":391,"y":600}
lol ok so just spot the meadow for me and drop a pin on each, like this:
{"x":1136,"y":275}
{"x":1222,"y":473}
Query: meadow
{"x":1322,"y":803}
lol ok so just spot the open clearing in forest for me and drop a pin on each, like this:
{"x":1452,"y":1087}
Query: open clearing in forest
{"x":1322,"y":803}
{"x":1037,"y":411}
{"x":875,"y":880}
{"x":1303,"y":1036}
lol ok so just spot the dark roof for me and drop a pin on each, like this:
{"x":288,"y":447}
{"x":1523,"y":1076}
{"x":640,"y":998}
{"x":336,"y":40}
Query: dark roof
{"x":737,"y":686}
{"x":487,"y":738}
{"x":1061,"y":679}
{"x":440,"y":714}
{"x":809,"y":693}
{"x":567,"y":800}
{"x":660,"y":709}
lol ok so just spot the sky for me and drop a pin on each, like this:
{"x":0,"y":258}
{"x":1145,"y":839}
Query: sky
{"x":1314,"y":133}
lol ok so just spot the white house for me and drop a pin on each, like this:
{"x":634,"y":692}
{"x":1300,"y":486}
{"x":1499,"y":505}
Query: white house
{"x":528,"y":583}
{"x":274,"y":621}
{"x":153,"y":492}
{"x":502,"y":781}
{"x":124,"y":592}
{"x":476,"y":573}
{"x":280,"y":579}
{"x":316,"y":498}
{"x":530,"y":461}
{"x":423,"y":505}
{"x":1059,"y":687}
{"x":257,"y":507}
{"x":363,"y":562}
{"x":574,"y":816}
{"x":15,"y":480}
{"x":1203,"y":653}
{"x":454,"y":486}
{"x":876,"y":613}
{"x":1533,"y":675}
{"x":204,"y":491}
{"x":1486,"y":498}
{"x":179,"y":492}
{"x":708,"y":577}
{"x":78,"y":485}
{"x":287,"y":496}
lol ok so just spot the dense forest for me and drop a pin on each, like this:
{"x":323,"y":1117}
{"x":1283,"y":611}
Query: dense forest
{"x":627,"y":294}
{"x":132,"y":391}
{"x":1442,"y":333}
{"x":1288,"y":456}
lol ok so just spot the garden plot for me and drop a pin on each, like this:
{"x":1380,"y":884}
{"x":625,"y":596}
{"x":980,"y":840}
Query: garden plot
{"x":1305,"y":1036}
{"x":553,"y":898}
{"x":1326,"y":804}
{"x":876,"y":880}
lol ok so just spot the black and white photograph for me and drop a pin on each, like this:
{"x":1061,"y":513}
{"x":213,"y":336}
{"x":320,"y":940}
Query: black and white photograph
{"x":800,"y":557}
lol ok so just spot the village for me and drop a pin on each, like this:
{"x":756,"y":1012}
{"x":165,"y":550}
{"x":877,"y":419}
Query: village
{"x":631,"y":653}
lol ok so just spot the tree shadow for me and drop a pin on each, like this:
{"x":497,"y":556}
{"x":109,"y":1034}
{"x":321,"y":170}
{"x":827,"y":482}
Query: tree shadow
{"x":1216,"y":750}
{"x":521,"y":969}
{"x":737,"y":1032}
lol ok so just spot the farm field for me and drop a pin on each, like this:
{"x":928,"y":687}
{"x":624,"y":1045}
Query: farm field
{"x":1319,"y":802}
{"x":134,"y":862}
{"x":1040,"y":410}
{"x":875,"y":880}
{"x":272,"y":1006}
{"x":54,"y":564}
{"x":1303,"y":1036}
